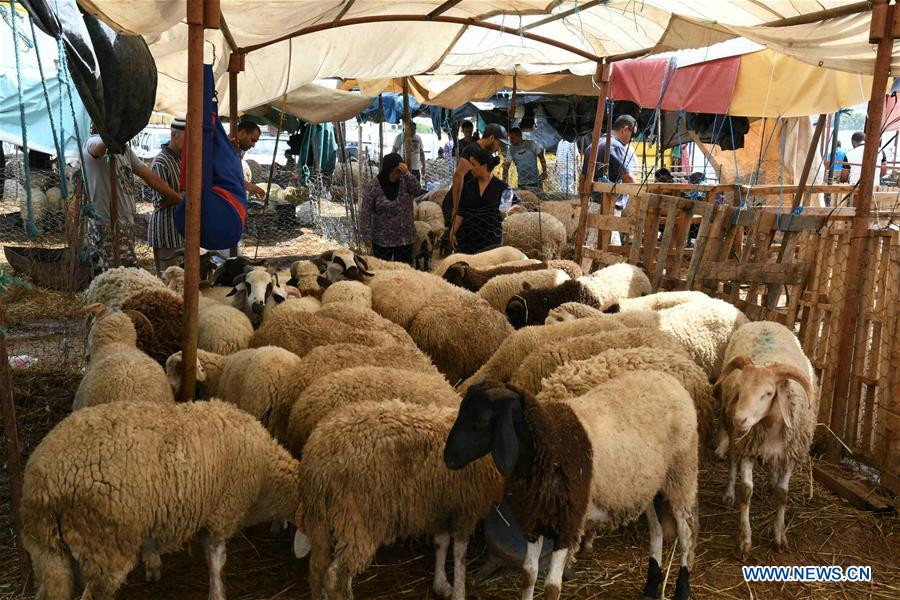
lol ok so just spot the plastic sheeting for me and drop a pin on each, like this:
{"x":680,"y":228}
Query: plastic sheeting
{"x":37,"y":119}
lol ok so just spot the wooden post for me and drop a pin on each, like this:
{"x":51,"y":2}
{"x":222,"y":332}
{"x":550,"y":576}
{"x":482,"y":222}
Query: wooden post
{"x":13,"y":452}
{"x":199,"y":14}
{"x":603,"y":73}
{"x":807,"y":164}
{"x":881,"y":32}
{"x":380,"y":129}
{"x":407,"y":124}
{"x":113,"y":211}
{"x":511,"y":109}
{"x":235,"y":66}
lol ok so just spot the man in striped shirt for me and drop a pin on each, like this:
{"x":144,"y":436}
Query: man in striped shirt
{"x":167,"y":243}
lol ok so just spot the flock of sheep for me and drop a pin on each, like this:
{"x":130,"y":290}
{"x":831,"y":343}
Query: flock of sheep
{"x":357,"y":401}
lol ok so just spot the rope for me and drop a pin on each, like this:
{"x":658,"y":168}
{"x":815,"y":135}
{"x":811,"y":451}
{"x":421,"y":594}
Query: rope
{"x":30,"y":228}
{"x":57,"y":140}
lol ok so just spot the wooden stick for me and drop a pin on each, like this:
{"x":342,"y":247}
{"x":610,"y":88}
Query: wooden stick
{"x":114,"y":211}
{"x":882,"y":31}
{"x":380,"y":130}
{"x":603,"y":72}
{"x":195,"y":20}
{"x":807,"y":164}
{"x":13,"y":451}
{"x":407,"y":124}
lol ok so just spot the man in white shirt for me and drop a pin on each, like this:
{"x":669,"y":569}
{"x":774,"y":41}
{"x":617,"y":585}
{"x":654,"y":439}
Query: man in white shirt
{"x":567,"y":166}
{"x":417,"y":160}
{"x":855,"y":159}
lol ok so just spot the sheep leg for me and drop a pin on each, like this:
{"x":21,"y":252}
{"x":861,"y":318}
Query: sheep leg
{"x":781,"y":497}
{"x":745,"y":492}
{"x":215,"y":561}
{"x":319,"y":559}
{"x":152,"y":561}
{"x":728,"y":497}
{"x":654,"y":572}
{"x":553,"y":584}
{"x":338,"y":581}
{"x":686,"y":534}
{"x":53,"y":574}
{"x":460,"y":545}
{"x":530,"y":567}
{"x":441,"y":585}
{"x":102,"y":580}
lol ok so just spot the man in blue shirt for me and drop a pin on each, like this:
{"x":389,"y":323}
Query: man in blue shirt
{"x":526,"y":154}
{"x":839,"y":157}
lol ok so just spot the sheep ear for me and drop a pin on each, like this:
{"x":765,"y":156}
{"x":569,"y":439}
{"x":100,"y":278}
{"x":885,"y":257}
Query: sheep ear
{"x":279,"y":295}
{"x":293,"y":281}
{"x":323,"y":282}
{"x":238,"y":288}
{"x":526,"y":286}
{"x":239,"y":279}
{"x":615,"y":308}
{"x":783,"y":398}
{"x":505,"y":451}
{"x":173,"y":372}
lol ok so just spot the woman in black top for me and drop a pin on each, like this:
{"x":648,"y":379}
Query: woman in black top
{"x":478,"y":223}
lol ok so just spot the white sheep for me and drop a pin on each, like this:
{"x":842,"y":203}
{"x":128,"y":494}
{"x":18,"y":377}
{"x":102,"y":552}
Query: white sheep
{"x":117,"y":371}
{"x":431,"y":213}
{"x":39,"y":207}
{"x":482,"y":260}
{"x":400,"y":295}
{"x":361,"y":384}
{"x":114,"y":285}
{"x":567,"y":212}
{"x":578,"y":377}
{"x":348,"y":292}
{"x":260,"y":381}
{"x":423,"y":247}
{"x":255,"y":292}
{"x":500,"y":289}
{"x":516,"y":348}
{"x":659,"y":301}
{"x":770,"y":403}
{"x":539,"y":235}
{"x":372,"y":473}
{"x":55,"y":201}
{"x":627,"y":447}
{"x":111,"y":484}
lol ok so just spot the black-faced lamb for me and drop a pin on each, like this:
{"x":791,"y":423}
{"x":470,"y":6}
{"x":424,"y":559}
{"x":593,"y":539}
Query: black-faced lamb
{"x":770,"y":403}
{"x":627,"y":447}
{"x":114,"y":482}
{"x":601,"y":289}
{"x":372,"y":473}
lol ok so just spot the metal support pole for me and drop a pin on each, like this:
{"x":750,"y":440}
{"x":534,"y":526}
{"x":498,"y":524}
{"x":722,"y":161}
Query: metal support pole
{"x":881,"y":32}
{"x":200,"y":13}
{"x":380,"y":129}
{"x":407,"y":124}
{"x":13,"y":451}
{"x":603,"y":72}
{"x":235,"y":66}
{"x":275,"y":151}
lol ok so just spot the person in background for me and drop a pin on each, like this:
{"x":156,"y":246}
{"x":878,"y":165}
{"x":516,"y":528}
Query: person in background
{"x":289,"y":163}
{"x":525,"y":154}
{"x":493,"y":139}
{"x":852,"y":167}
{"x":621,"y":168}
{"x":386,"y":222}
{"x":838,"y":158}
{"x":566,"y":166}
{"x":468,"y":131}
{"x":477,"y":225}
{"x":247,"y":135}
{"x":96,"y":166}
{"x":163,"y":237}
{"x":417,"y":153}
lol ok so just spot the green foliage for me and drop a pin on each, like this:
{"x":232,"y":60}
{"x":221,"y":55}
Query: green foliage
{"x":853,"y":121}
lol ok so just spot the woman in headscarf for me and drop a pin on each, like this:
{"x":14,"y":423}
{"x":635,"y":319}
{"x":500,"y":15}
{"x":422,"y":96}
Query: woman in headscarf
{"x":386,"y":220}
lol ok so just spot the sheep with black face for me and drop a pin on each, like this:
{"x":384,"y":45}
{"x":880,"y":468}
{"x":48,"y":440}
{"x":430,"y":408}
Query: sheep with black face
{"x":627,"y":447}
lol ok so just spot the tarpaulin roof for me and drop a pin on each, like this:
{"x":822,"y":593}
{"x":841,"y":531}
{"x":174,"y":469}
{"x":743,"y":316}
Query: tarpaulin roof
{"x":37,"y":118}
{"x":430,"y":37}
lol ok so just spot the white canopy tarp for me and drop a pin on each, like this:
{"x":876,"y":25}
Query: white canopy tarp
{"x":397,"y":47}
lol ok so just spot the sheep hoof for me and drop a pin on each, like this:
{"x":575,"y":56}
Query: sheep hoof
{"x":728,"y":498}
{"x":152,"y":574}
{"x":444,"y":590}
{"x":780,"y":545}
{"x":744,"y":547}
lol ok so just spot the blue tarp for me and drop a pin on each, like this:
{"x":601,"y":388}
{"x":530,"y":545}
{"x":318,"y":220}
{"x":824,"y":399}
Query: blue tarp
{"x":37,"y":118}
{"x":392,"y":106}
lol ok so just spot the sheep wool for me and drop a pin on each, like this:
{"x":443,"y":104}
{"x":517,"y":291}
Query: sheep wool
{"x":117,"y":371}
{"x":567,"y":212}
{"x":164,"y":310}
{"x":570,"y":311}
{"x":431,"y":213}
{"x":365,"y":319}
{"x":399,"y":295}
{"x":482,"y":260}
{"x":39,"y":207}
{"x":361,"y":384}
{"x":300,"y":332}
{"x":543,"y":361}
{"x":538,"y":235}
{"x":473,"y":279}
{"x":113,"y":286}
{"x":499,"y":290}
{"x":516,"y":348}
{"x":459,"y":336}
{"x":578,"y":377}
{"x":349,"y":292}
{"x":373,"y":473}
{"x":176,"y":471}
{"x":223,"y":329}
